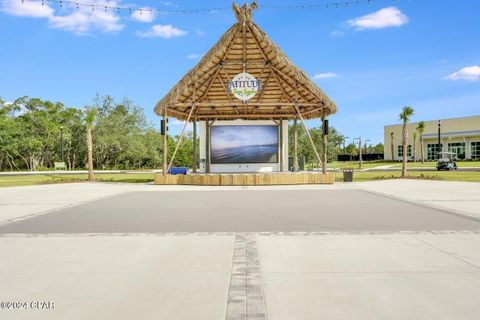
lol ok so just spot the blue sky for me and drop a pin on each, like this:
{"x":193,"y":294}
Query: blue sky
{"x":370,"y":59}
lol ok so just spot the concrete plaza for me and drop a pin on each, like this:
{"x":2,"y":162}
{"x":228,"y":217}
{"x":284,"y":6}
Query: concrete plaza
{"x":394,"y":249}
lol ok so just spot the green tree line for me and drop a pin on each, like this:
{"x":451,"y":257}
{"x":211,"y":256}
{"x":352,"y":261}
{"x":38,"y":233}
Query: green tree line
{"x":31,"y":132}
{"x":31,"y":135}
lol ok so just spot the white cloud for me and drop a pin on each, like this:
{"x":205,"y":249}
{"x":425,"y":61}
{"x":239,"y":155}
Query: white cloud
{"x":383,"y":18}
{"x":193,"y":56}
{"x":199,"y":32}
{"x":337,"y":33}
{"x":84,"y":21}
{"x":325,"y":75}
{"x":166,"y":31}
{"x":32,"y":9}
{"x":80,"y":20}
{"x":468,"y":73}
{"x":143,"y":14}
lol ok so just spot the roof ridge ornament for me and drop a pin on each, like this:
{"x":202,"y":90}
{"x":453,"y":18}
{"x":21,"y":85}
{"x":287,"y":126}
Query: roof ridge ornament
{"x":244,"y":13}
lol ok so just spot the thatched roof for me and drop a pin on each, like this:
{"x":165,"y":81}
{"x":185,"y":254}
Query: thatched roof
{"x":245,"y":48}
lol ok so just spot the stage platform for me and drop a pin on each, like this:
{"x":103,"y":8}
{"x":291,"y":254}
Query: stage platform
{"x":246,"y":179}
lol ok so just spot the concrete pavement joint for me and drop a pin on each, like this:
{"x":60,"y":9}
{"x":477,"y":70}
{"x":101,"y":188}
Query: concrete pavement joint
{"x":423,"y":203}
{"x":446,"y":252}
{"x":246,"y":299}
{"x":62,"y":205}
{"x":273,"y":234}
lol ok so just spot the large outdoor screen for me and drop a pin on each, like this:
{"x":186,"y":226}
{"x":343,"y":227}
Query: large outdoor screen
{"x":244,"y":144}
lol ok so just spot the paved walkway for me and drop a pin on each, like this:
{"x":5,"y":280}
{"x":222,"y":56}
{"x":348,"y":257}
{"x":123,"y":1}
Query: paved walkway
{"x":382,"y":250}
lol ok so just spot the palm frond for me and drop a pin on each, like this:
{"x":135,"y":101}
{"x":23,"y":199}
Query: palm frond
{"x":406,"y":114}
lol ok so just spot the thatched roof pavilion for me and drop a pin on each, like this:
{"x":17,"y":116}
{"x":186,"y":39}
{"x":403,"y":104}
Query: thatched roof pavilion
{"x":286,"y":91}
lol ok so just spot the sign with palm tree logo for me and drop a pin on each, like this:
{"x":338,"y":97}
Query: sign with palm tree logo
{"x":244,"y":86}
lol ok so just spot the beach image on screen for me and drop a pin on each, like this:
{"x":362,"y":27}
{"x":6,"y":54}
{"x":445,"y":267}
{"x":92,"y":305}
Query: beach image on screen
{"x":244,"y":144}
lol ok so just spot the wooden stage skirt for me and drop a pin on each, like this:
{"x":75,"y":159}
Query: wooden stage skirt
{"x":245,"y":179}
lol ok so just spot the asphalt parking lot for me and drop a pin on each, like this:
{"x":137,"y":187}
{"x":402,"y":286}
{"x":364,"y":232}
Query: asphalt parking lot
{"x":244,"y":211}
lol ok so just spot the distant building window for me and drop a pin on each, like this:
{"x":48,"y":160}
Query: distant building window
{"x":458,"y":148}
{"x":475,"y":147}
{"x":433,"y":150}
{"x":400,"y":151}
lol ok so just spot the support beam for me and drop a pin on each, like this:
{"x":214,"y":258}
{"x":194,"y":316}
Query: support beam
{"x":324,"y":145}
{"x":309,"y":136}
{"x":194,"y":146}
{"x":260,"y":104}
{"x":295,"y":146}
{"x":281,"y":160}
{"x":165,"y":142}
{"x":180,"y":140}
{"x":207,"y":146}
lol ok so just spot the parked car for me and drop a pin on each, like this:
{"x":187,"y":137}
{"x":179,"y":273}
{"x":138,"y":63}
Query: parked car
{"x":447,"y":161}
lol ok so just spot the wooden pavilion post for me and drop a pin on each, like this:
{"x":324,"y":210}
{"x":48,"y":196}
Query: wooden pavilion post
{"x":324,"y":145}
{"x":165,"y":141}
{"x":281,"y":160}
{"x":320,"y":162}
{"x":194,"y":146}
{"x":295,"y":146}
{"x":207,"y":146}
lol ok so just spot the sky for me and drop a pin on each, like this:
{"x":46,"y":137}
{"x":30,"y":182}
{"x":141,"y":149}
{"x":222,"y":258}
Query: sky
{"x":370,"y":59}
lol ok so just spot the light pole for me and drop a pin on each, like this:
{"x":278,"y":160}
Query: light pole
{"x":344,"y":139}
{"x":359,"y":150}
{"x":439,"y":129}
{"x":366,"y":151}
{"x":61,"y":138}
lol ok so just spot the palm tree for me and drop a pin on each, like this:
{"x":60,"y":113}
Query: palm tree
{"x":414,"y":146}
{"x":90,"y":116}
{"x":405,"y":115}
{"x":420,"y":129}
{"x":391,"y":145}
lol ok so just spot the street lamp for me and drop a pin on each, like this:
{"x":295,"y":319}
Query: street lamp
{"x":438,"y":148}
{"x":61,"y":131}
{"x":344,"y":139}
{"x":359,"y":150}
{"x":366,"y":151}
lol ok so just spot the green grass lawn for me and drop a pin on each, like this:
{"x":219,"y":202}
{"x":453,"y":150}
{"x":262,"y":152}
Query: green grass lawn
{"x":365,"y":165}
{"x":26,"y":180}
{"x":428,"y":175}
{"x":13,"y":181}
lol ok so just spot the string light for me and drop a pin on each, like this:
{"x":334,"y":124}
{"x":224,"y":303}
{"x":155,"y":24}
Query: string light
{"x":290,"y":7}
{"x":323,"y":6}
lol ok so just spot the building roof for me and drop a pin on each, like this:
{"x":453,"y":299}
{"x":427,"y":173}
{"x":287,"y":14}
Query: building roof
{"x":245,"y":48}
{"x":434,"y":121}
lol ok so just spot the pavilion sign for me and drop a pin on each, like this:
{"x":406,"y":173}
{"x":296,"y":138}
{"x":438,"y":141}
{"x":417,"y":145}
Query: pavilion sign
{"x":244,"y":86}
